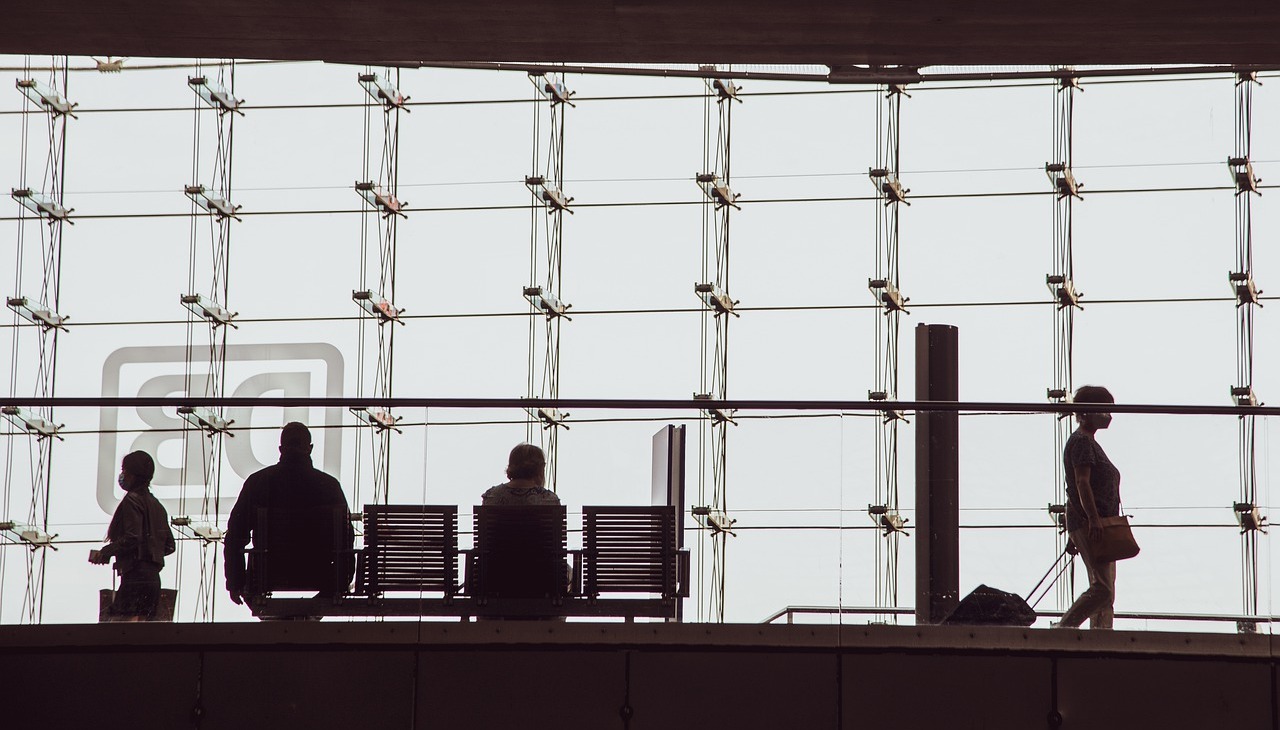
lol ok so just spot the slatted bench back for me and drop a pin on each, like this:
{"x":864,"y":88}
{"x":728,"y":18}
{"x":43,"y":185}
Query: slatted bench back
{"x":520,"y":551}
{"x":409,"y":548}
{"x":298,"y":550}
{"x":629,"y":550}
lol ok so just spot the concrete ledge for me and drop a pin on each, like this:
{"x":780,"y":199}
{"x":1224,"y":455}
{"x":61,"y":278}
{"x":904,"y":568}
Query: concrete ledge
{"x":631,"y":677}
{"x":506,"y":634}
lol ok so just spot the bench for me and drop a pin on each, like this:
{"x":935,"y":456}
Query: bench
{"x":632,"y":550}
{"x":298,"y":550}
{"x":516,"y":570}
{"x":408,"y":548}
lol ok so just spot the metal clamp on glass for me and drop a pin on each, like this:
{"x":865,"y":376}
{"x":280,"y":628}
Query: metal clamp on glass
{"x":32,"y":537}
{"x":41,"y":428}
{"x":1058,"y":515}
{"x":718,"y":416}
{"x":726,"y":90}
{"x":888,"y":295}
{"x":42,"y":94}
{"x":556,"y":92}
{"x":218,"y":206}
{"x":37,"y":313}
{"x":378,"y":306}
{"x":547,"y":303}
{"x":1245,"y":290}
{"x":1063,"y":290}
{"x":378,"y":418}
{"x":206,"y":419}
{"x":200,"y":530}
{"x":215,"y":95}
{"x":111,"y":65}
{"x":549,"y":194}
{"x":888,"y":521}
{"x":203,"y":306}
{"x":385,"y":201}
{"x":1243,"y":395}
{"x":890,"y":414}
{"x":1242,"y":175}
{"x":383,"y":92}
{"x":715,"y":520}
{"x":717,"y":299}
{"x":1059,"y":395}
{"x":549,"y":417}
{"x":1249,"y":517}
{"x":42,"y":205}
{"x":716,"y":190}
{"x":1063,"y":181}
{"x":888,"y":185}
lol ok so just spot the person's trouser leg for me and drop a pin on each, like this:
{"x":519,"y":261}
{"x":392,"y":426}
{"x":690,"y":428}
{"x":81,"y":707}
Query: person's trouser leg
{"x":1105,"y":616}
{"x":1097,"y":602}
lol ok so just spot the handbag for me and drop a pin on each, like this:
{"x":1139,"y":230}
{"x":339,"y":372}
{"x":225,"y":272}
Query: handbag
{"x":1116,"y":542}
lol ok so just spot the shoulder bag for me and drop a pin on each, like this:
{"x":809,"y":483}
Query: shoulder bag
{"x":1116,"y":542}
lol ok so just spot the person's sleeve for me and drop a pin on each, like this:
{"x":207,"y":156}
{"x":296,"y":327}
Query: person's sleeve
{"x":237,"y":538}
{"x":170,"y":545}
{"x":160,"y":521}
{"x":349,"y":530}
{"x":338,"y":500}
{"x":347,"y":559}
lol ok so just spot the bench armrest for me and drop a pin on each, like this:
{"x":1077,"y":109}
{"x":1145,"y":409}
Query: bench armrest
{"x":575,"y":576}
{"x":682,"y":573}
{"x":468,"y":569}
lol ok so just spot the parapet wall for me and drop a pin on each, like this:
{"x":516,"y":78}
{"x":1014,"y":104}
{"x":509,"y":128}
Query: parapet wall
{"x":639,"y":676}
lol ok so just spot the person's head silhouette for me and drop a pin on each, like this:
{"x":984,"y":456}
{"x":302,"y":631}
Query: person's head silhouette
{"x":295,"y":439}
{"x":527,"y":463}
{"x":136,"y":470}
{"x":1093,"y":394}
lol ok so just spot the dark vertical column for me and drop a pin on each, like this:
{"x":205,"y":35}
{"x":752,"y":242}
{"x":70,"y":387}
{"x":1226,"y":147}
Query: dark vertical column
{"x":668,"y":474}
{"x":937,"y":474}
{"x":668,"y":483}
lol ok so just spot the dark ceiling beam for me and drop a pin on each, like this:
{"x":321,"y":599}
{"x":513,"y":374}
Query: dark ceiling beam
{"x":923,"y":32}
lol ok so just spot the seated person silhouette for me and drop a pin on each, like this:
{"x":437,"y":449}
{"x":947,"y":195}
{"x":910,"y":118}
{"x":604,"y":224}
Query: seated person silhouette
{"x":526,"y":480}
{"x":520,"y":533}
{"x":298,"y":520}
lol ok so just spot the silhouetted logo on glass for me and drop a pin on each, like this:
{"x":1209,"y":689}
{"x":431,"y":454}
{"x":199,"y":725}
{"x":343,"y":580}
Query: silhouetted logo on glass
{"x":285,"y":370}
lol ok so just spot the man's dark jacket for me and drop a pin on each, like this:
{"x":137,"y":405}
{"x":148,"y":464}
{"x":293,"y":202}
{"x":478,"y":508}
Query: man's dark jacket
{"x":292,"y":484}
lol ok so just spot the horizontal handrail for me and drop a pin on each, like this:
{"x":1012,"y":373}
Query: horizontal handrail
{"x":791,"y":611}
{"x":651,"y":404}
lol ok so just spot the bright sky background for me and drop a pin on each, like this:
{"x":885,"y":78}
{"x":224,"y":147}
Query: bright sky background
{"x":795,"y":141}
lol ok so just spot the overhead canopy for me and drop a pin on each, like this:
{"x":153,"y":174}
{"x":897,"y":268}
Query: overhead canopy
{"x":922,"y":32}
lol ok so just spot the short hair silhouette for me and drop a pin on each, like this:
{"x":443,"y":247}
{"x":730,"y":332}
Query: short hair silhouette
{"x":295,"y":437}
{"x":140,"y":464}
{"x":1092,"y":394}
{"x":525,"y":462}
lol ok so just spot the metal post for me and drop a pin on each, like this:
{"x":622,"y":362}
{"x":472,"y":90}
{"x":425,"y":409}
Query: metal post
{"x":937,"y":474}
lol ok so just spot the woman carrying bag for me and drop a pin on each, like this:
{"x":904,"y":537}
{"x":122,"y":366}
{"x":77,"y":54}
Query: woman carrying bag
{"x":1093,"y":496}
{"x":139,"y":538}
